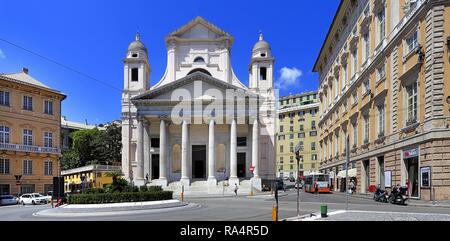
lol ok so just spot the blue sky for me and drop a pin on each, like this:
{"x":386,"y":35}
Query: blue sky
{"x":92,"y":37}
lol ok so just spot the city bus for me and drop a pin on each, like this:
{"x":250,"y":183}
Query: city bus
{"x":319,"y":180}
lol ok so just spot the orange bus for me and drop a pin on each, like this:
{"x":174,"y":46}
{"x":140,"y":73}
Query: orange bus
{"x":317,"y":181}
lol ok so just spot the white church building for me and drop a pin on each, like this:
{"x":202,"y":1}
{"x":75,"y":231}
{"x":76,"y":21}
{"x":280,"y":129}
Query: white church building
{"x":198,"y":127}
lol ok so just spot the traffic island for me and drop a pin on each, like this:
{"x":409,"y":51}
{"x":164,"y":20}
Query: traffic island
{"x":108,"y":208}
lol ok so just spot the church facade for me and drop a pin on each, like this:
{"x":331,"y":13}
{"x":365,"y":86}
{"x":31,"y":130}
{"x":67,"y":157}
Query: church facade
{"x":199,"y":126}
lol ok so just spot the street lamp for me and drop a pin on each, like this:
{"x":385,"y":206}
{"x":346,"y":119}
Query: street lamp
{"x":297,"y":156}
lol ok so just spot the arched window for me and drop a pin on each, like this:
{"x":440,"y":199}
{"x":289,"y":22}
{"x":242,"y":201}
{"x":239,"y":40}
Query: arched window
{"x":263,"y":73}
{"x":134,"y":74}
{"x":199,"y":70}
{"x":199,"y":60}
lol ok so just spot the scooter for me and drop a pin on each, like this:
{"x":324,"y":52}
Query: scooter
{"x":380,"y":195}
{"x":398,"y":195}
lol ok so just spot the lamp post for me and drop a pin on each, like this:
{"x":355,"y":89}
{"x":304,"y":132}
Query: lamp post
{"x":297,"y":156}
{"x":347,"y":157}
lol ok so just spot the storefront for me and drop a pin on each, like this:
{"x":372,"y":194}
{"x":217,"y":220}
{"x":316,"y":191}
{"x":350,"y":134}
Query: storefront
{"x":410,"y":171}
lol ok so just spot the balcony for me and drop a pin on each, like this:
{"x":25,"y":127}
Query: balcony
{"x":24,"y":148}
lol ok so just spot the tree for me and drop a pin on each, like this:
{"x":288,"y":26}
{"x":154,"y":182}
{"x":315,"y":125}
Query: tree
{"x":94,"y":146}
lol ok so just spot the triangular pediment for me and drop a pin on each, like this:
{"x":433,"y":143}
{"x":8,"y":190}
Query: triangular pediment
{"x":199,"y":28}
{"x":208,"y":86}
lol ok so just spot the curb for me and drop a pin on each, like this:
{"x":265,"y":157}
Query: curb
{"x":68,"y":211}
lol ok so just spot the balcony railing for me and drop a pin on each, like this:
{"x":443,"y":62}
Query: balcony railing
{"x":24,"y":148}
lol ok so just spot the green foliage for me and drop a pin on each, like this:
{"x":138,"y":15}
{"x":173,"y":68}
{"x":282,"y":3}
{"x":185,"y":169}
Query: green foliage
{"x":93,"y":190}
{"x":119,"y":197}
{"x":155,"y":189}
{"x":143,"y":188}
{"x":94,"y":146}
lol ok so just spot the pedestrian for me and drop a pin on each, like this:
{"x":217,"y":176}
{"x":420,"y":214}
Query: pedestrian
{"x":316,"y":188}
{"x":352,"y":186}
{"x":235,"y":188}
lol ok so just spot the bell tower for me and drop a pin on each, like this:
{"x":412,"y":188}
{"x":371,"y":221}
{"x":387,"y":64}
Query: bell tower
{"x":261,"y":66}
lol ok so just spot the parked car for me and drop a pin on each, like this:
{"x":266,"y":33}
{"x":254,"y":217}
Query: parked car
{"x":32,"y":198}
{"x":8,"y":200}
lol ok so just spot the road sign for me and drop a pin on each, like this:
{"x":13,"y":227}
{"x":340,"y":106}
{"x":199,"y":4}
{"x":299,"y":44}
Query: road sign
{"x":252,"y":168}
{"x":18,"y":183}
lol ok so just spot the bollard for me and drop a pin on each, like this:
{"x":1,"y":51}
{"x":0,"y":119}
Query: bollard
{"x":274,"y":213}
{"x":182,"y":194}
{"x":323,"y":210}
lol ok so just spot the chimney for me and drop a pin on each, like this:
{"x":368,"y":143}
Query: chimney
{"x":25,"y":70}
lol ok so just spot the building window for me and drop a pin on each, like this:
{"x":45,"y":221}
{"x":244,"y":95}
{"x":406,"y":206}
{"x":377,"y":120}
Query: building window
{"x":291,"y":136}
{"x":381,"y":72}
{"x":313,"y":125}
{"x":313,"y":146}
{"x":155,"y":142}
{"x":27,"y":167}
{"x":281,"y":149}
{"x":313,"y":133}
{"x":134,"y":74}
{"x":48,"y":139}
{"x":4,"y":166}
{"x":281,"y":138}
{"x":314,"y":157}
{"x":381,"y":17}
{"x":366,"y":129}
{"x":28,"y":103}
{"x":355,"y":134}
{"x":313,"y":165}
{"x":48,"y":107}
{"x":301,"y":135}
{"x":411,"y":114}
{"x":199,"y":60}
{"x":48,"y":168}
{"x":381,"y":120}
{"x":354,"y":63}
{"x":242,"y":141}
{"x":301,"y":128}
{"x":48,"y":188}
{"x":411,"y":43}
{"x":291,"y":159}
{"x":366,"y":52}
{"x":281,"y":128}
{"x":4,"y":98}
{"x":4,"y":134}
{"x":344,"y":74}
{"x":27,"y":188}
{"x":354,"y":98}
{"x":366,"y":85}
{"x":291,"y":147}
{"x":27,"y":137}
{"x":263,"y":73}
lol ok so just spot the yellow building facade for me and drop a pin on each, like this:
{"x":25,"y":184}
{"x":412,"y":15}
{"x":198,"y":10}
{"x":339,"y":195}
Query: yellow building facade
{"x":30,"y":117}
{"x":384,"y":70}
{"x":92,"y":176}
{"x":297,"y":125}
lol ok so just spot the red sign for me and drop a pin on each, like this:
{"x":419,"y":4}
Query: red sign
{"x":252,"y":168}
{"x":18,"y":183}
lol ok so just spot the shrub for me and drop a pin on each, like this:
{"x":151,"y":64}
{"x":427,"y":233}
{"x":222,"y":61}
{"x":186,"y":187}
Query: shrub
{"x":93,"y":190}
{"x":155,"y":189}
{"x":143,"y":188}
{"x":120,"y":197}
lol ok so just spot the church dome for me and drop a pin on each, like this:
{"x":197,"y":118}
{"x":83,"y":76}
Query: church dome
{"x":137,"y":45}
{"x":261,"y":44}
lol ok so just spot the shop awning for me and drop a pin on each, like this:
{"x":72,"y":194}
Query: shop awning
{"x":351,"y":173}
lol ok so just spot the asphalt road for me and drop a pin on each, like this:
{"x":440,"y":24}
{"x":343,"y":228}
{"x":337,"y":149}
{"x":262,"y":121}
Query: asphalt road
{"x":230,"y":209}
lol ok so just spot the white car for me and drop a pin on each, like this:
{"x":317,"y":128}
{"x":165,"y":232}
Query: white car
{"x":32,"y":198}
{"x":8,"y":200}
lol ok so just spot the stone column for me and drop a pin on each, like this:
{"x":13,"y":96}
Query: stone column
{"x":256,"y":180}
{"x":212,"y":181}
{"x":162,"y":153}
{"x":255,"y":149}
{"x":147,"y":154}
{"x":185,"y":177}
{"x":140,"y":149}
{"x":233,"y":155}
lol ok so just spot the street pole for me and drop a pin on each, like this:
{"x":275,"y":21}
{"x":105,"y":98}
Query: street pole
{"x":298,"y":188}
{"x":347,"y":157}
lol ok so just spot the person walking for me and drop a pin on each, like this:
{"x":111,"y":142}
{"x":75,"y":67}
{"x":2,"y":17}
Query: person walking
{"x":352,"y":186}
{"x":235,"y":188}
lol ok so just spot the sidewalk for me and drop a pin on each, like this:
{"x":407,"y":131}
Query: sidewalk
{"x":353,"y":215}
{"x":410,"y":202}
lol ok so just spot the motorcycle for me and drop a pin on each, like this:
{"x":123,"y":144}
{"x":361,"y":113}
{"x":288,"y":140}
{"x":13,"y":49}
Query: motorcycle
{"x":398,"y":195}
{"x":380,"y":195}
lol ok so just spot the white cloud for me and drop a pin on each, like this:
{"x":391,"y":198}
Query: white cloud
{"x":2,"y":55}
{"x":289,"y":77}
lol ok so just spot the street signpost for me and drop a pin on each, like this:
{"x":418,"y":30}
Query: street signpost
{"x":347,"y":157}
{"x":252,"y":168}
